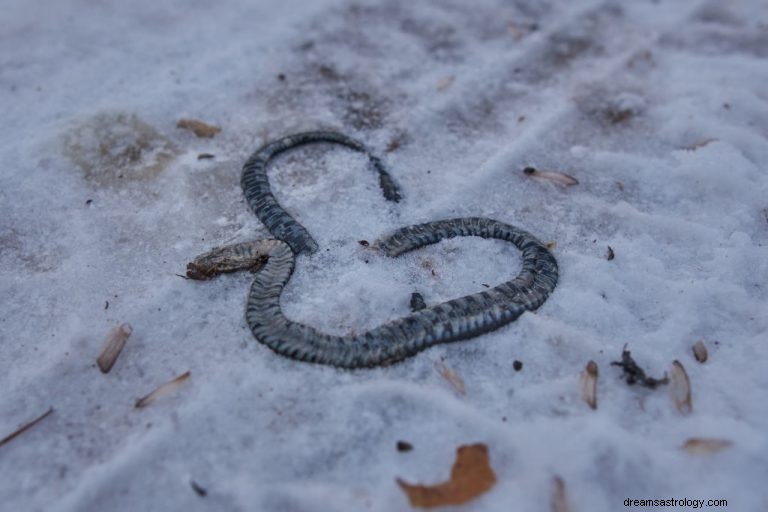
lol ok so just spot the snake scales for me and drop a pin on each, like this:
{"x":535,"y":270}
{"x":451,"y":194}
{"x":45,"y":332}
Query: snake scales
{"x":274,"y":261}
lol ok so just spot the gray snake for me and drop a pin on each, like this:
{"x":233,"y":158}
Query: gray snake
{"x":274,"y":261}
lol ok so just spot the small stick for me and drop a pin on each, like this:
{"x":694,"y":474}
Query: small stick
{"x":163,"y":390}
{"x":26,"y":427}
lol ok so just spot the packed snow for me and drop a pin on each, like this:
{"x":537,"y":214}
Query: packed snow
{"x":658,"y":108}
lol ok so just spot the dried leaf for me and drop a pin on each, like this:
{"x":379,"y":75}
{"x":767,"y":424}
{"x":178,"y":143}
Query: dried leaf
{"x":553,"y":176}
{"x":680,"y":388}
{"x":589,"y":384}
{"x":700,"y":351}
{"x":199,"y":128}
{"x":705,"y":446}
{"x":25,"y":427}
{"x":451,"y":376}
{"x":163,"y":390}
{"x":559,"y":496}
{"x":699,"y":144}
{"x":445,"y":82}
{"x":471,"y":476}
{"x":113,"y":345}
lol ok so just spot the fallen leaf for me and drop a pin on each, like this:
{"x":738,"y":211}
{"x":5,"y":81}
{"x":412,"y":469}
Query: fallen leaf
{"x":705,"y":446}
{"x":471,"y":476}
{"x":199,"y":128}
{"x":698,"y":144}
{"x":680,"y":388}
{"x":589,"y":384}
{"x":113,"y":345}
{"x":451,"y":376}
{"x":700,"y":351}
{"x":559,"y":496}
{"x":445,"y":82}
{"x":163,"y":390}
{"x":553,"y":176}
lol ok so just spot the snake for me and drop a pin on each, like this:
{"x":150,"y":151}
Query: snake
{"x":274,"y":260}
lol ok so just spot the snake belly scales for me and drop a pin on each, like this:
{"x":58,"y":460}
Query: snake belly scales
{"x":274,"y":261}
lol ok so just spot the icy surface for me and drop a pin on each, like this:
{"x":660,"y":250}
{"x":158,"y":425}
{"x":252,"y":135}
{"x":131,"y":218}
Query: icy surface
{"x":659,"y":109}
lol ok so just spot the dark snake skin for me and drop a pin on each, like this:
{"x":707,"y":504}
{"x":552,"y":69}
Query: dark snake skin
{"x":454,"y":320}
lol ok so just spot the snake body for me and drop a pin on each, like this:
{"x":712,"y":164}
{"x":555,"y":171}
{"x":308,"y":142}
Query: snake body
{"x":454,"y":320}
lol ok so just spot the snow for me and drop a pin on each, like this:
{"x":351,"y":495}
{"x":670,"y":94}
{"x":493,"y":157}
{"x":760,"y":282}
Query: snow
{"x":659,"y":109}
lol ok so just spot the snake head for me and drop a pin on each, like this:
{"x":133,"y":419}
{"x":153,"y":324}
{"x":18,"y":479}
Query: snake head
{"x":229,"y":258}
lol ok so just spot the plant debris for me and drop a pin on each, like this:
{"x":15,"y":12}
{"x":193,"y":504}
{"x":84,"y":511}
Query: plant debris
{"x":680,"y":389}
{"x":551,"y":245}
{"x":199,"y":490}
{"x":199,"y":128}
{"x":517,"y":365}
{"x":445,"y":82}
{"x":705,"y":446}
{"x":700,"y":351}
{"x":451,"y":376}
{"x":471,"y":476}
{"x":633,"y":374}
{"x":205,"y":156}
{"x":699,"y":144}
{"x":364,"y":243}
{"x":163,"y":390}
{"x":25,"y":427}
{"x":417,"y":302}
{"x":559,"y":496}
{"x":610,"y":254}
{"x":589,"y":384}
{"x":553,"y":176}
{"x":113,"y":345}
{"x":404,"y":446}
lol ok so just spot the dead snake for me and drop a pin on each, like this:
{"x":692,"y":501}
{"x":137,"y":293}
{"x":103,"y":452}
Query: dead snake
{"x":274,"y":261}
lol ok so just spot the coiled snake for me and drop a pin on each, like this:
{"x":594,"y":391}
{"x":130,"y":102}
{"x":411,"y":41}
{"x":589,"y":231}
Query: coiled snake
{"x":274,"y":260}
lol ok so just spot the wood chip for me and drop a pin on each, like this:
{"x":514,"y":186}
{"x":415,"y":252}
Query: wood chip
{"x":699,"y":144}
{"x":589,"y":384}
{"x":553,"y":176}
{"x":680,"y":388}
{"x":113,"y":345}
{"x":445,"y":82}
{"x":471,"y":476}
{"x":451,"y":376}
{"x":610,"y":254}
{"x":559,"y":495}
{"x":25,"y":427}
{"x":700,"y":351}
{"x":199,"y":128}
{"x":705,"y":446}
{"x":163,"y":390}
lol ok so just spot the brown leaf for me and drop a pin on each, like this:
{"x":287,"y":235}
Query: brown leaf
{"x":698,"y":144}
{"x":700,"y":351}
{"x":559,"y":496}
{"x":113,"y":345}
{"x":451,"y":376}
{"x":471,"y":476}
{"x":705,"y":446}
{"x":553,"y":176}
{"x":680,"y":388}
{"x":445,"y":82}
{"x":589,"y":384}
{"x":163,"y":390}
{"x":199,"y":128}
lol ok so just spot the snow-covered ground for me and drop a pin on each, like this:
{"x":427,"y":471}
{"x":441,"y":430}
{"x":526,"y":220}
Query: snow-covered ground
{"x":658,"y":108}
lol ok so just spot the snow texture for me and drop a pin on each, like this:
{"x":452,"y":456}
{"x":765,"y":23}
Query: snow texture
{"x":658,"y":108}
